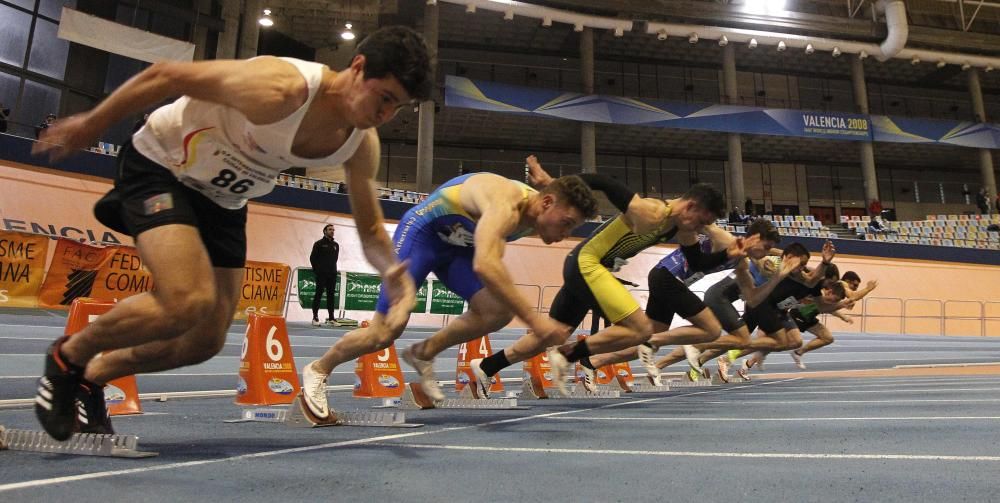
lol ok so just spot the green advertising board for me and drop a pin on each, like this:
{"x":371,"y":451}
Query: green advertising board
{"x":363,"y":289}
{"x":306,"y":281}
{"x":445,"y":301}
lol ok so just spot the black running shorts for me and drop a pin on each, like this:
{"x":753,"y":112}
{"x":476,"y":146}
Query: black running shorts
{"x":669,"y":296}
{"x":147,"y":195}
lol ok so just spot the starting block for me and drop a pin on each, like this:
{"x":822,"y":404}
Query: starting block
{"x":80,"y":444}
{"x":296,"y":415}
{"x":681,"y":383}
{"x":733,"y":379}
{"x":534,"y":392}
{"x":414,"y":397}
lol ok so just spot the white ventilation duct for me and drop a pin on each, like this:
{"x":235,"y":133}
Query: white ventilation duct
{"x":899,"y":29}
{"x":892,"y":47}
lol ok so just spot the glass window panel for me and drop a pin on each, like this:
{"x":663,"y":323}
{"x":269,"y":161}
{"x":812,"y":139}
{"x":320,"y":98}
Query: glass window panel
{"x":48,"y":52}
{"x":53,"y":8}
{"x":9,"y":87}
{"x":38,"y":101}
{"x":27,"y":4}
{"x":14,"y":28}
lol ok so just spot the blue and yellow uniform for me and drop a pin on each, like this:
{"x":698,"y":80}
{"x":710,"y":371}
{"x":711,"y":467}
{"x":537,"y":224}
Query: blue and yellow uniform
{"x":437,"y":236}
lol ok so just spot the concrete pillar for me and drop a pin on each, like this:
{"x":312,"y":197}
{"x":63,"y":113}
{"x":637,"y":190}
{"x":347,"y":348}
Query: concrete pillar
{"x":226,"y":48}
{"x":249,"y":29}
{"x":985,"y":156}
{"x":588,"y":131}
{"x":867,"y":148}
{"x":425,"y":127}
{"x":738,"y":194}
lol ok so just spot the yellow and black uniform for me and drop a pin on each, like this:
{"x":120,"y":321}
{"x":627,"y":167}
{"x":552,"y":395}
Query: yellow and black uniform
{"x":587,"y":279}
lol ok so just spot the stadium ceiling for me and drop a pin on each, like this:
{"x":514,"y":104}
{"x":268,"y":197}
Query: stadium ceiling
{"x":934,"y":24}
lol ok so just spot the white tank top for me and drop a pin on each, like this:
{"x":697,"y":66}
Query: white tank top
{"x":215,"y":150}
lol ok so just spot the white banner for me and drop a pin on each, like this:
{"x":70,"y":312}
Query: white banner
{"x":117,"y":38}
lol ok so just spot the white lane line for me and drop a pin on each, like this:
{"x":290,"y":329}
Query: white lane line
{"x":892,"y":385}
{"x":926,"y":390}
{"x":332,"y":445}
{"x":779,"y":419}
{"x":727,"y":454}
{"x":795,"y":402}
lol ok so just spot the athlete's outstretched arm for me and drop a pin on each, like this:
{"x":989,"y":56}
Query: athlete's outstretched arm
{"x":860,"y":294}
{"x":264,"y":89}
{"x":375,"y":241}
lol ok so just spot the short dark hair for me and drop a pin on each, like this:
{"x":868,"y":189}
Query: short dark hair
{"x":838,"y":289}
{"x":706,"y":197}
{"x":795,"y":250}
{"x":573,"y":191}
{"x":328,"y":225}
{"x":831,"y":272}
{"x":851,"y":276}
{"x":765,"y":229}
{"x":401,"y":52}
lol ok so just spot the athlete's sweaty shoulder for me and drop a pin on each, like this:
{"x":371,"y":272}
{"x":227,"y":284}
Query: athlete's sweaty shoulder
{"x":483,"y":190}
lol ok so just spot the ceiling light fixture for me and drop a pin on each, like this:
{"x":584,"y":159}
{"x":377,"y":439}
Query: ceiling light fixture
{"x":693,"y":38}
{"x":862,"y":55}
{"x":266,"y":20}
{"x":836,"y":52}
{"x":753,"y":43}
{"x":723,"y":41}
{"x":782,"y":46}
{"x":347,"y":34}
{"x":810,"y":49}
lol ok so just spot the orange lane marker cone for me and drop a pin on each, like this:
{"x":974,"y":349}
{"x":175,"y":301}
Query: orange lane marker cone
{"x":468,"y":351}
{"x":623,"y":375}
{"x":122,"y":394}
{"x":538,"y":374}
{"x":378,"y":375}
{"x":267,"y":368}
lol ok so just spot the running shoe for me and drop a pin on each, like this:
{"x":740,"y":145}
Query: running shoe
{"x":692,"y":354}
{"x":483,"y":381}
{"x":692,"y":375}
{"x":55,"y":399}
{"x":560,"y":369}
{"x":316,"y":323}
{"x":314,"y":392}
{"x":589,"y":379}
{"x":646,"y":357}
{"x":797,"y":358}
{"x":744,"y":371}
{"x":91,"y":410}
{"x":425,"y":369}
{"x":330,"y":322}
{"x":723,"y":368}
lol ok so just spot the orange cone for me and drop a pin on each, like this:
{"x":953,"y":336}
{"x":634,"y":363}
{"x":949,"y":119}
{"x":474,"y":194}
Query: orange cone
{"x":122,"y":394}
{"x":538,"y":371}
{"x":623,"y":374}
{"x":468,"y":351}
{"x":378,"y":375}
{"x":267,"y":368}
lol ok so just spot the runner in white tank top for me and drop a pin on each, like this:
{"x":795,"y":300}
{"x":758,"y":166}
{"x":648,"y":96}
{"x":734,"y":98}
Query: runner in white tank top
{"x":182,"y":189}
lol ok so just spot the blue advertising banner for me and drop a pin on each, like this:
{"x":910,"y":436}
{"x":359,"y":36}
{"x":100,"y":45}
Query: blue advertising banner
{"x":491,"y":96}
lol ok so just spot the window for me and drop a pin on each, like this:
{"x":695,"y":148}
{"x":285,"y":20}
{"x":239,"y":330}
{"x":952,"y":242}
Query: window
{"x":14,"y":28}
{"x":53,"y":8}
{"x":48,"y":52}
{"x":38,"y":101}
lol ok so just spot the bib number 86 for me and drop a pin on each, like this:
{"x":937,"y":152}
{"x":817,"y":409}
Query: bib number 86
{"x":227,"y":178}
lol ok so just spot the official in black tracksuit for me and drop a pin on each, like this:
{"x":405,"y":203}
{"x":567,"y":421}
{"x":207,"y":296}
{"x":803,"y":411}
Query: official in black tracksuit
{"x":323,"y":258}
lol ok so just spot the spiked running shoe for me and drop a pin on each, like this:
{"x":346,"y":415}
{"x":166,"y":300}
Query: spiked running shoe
{"x":55,"y":399}
{"x":483,"y":381}
{"x":314,"y":392}
{"x":425,"y":369}
{"x":589,"y":379}
{"x":560,"y":369}
{"x":92,"y":410}
{"x":646,"y":358}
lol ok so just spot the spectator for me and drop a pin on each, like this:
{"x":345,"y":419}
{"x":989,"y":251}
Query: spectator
{"x":982,"y":202}
{"x":748,"y":207}
{"x":875,"y":207}
{"x":875,"y":226}
{"x":49,"y":119}
{"x":323,"y":259}
{"x":4,"y":115}
{"x":736,"y":216}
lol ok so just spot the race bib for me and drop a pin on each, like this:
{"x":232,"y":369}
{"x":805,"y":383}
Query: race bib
{"x":224,"y":174}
